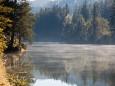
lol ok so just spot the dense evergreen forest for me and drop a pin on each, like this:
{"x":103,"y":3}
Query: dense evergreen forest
{"x":16,"y":22}
{"x":89,"y":23}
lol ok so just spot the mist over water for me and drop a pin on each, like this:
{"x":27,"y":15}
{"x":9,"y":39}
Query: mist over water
{"x":61,"y":64}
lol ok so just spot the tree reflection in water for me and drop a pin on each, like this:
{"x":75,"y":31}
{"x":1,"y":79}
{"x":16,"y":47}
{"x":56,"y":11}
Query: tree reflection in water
{"x":19,"y":69}
{"x":76,"y":66}
{"x":82,"y":72}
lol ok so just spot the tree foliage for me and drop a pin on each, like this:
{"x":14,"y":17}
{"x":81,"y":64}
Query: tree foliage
{"x":2,"y":41}
{"x":4,"y":22}
{"x":85,"y":11}
{"x":90,"y":23}
{"x":17,"y":20}
{"x":25,"y":22}
{"x":112,"y":20}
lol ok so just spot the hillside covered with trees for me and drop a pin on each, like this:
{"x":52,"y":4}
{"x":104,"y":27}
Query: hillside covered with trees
{"x":89,"y":23}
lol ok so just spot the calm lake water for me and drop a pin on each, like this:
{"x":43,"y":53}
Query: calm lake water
{"x":71,"y":64}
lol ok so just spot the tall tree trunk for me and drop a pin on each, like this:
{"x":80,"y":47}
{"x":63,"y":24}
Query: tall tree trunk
{"x":13,"y":29}
{"x":12,"y":38}
{"x":19,"y":40}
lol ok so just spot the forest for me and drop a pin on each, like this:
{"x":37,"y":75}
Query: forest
{"x":90,"y":23}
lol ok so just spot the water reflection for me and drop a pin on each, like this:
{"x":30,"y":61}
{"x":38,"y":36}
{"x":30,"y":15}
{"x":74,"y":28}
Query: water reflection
{"x":79,"y":65}
{"x":51,"y":82}
{"x":19,"y":69}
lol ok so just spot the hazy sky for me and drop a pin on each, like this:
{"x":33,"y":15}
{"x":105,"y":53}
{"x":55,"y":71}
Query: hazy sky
{"x":44,"y":3}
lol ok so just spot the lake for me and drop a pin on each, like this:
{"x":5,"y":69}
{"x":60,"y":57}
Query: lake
{"x":59,"y":64}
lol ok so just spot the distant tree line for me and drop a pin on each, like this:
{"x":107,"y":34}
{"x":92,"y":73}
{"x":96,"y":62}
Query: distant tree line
{"x":89,"y":23}
{"x":16,"y":22}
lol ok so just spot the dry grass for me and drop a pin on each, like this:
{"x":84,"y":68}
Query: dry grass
{"x":3,"y":75}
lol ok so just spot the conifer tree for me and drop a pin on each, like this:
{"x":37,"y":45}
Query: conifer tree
{"x":66,"y":10}
{"x":85,"y":10}
{"x":4,"y":22}
{"x":95,"y":14}
{"x":10,"y":32}
{"x":112,"y":21}
{"x":22,"y":22}
{"x":100,"y":26}
{"x":25,"y":23}
{"x":4,"y":11}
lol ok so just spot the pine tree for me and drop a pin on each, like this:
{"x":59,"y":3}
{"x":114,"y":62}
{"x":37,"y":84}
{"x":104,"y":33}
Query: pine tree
{"x":100,"y":26}
{"x":25,"y":23}
{"x":10,"y":32}
{"x":22,"y":22}
{"x":85,"y":11}
{"x":105,"y":9}
{"x":4,"y":11}
{"x":4,"y":22}
{"x":112,"y":21}
{"x":95,"y":14}
{"x":66,"y":10}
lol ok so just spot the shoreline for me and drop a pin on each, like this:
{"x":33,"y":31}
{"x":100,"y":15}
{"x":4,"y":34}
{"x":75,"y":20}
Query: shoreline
{"x":3,"y":69}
